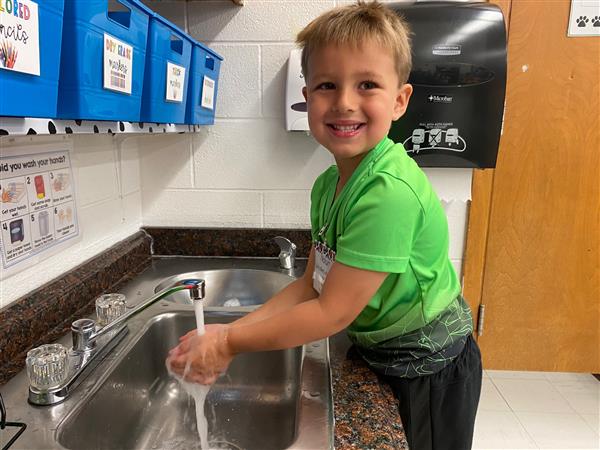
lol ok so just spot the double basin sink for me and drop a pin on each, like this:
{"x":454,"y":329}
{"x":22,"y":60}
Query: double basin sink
{"x":266,"y":400}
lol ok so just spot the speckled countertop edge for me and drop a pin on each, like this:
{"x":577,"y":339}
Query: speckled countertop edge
{"x":365,"y":409}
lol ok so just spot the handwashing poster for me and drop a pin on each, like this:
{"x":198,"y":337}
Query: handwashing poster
{"x":19,"y":36}
{"x":118,"y":64}
{"x":37,"y":209}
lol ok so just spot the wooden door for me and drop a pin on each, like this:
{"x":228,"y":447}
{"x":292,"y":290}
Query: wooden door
{"x":534,"y":260}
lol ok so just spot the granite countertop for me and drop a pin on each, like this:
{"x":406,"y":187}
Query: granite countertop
{"x":365,"y":409}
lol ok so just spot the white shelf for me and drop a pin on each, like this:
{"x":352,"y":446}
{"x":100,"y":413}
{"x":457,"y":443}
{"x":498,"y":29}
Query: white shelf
{"x":23,"y":126}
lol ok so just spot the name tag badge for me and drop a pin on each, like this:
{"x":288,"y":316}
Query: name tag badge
{"x":324,"y":258}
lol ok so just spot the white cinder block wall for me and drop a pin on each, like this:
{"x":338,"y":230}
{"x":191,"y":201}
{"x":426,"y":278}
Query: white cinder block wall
{"x":246,"y":170}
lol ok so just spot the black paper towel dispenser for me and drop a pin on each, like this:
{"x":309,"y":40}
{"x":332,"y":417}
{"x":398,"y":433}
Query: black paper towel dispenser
{"x":455,"y":114}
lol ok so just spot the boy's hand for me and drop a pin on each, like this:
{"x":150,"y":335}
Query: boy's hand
{"x":201,"y":359}
{"x":190,"y":334}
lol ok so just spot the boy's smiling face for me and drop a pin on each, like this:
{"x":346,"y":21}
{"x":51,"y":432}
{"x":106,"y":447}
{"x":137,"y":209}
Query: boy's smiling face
{"x":353,"y":95}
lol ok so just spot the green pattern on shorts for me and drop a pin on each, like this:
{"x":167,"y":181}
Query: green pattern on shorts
{"x":426,"y":350}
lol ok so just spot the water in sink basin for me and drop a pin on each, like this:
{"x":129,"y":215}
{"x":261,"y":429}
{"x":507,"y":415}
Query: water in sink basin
{"x":139,"y":406}
{"x":232,"y":287}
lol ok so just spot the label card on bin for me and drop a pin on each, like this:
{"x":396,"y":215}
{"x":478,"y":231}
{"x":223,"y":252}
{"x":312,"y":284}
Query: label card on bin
{"x":118,"y":65}
{"x":175,"y":82}
{"x":19,"y":37}
{"x":208,"y":93}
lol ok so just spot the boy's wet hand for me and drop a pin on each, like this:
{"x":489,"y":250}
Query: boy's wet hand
{"x":188,"y":335}
{"x":201,"y":359}
{"x":194,"y":332}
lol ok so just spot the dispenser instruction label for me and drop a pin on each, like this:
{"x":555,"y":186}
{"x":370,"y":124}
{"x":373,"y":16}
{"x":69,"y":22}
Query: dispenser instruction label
{"x":446,"y":50}
{"x":19,"y":36}
{"x":37,"y":209}
{"x":435,"y":136}
{"x":118,"y":65}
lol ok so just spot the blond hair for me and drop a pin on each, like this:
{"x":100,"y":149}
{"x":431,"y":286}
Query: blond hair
{"x":354,"y":24}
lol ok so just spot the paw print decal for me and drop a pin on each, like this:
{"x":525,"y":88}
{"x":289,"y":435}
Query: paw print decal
{"x":596,"y":21}
{"x":582,"y":21}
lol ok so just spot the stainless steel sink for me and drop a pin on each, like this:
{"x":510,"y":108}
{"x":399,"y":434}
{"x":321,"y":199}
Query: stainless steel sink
{"x":232,"y":287}
{"x":139,"y":406}
{"x":268,"y":400}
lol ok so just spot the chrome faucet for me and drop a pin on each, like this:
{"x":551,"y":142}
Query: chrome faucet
{"x":287,"y":252}
{"x":86,"y":335}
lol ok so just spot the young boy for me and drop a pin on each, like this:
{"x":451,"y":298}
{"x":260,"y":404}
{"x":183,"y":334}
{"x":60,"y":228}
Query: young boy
{"x":379,"y":265}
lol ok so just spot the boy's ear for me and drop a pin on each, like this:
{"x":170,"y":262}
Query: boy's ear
{"x":402,"y":98}
{"x":304,"y":93}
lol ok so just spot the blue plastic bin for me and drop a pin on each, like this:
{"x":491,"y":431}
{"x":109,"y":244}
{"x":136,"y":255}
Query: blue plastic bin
{"x":168,"y":47}
{"x":204,"y":84}
{"x":82,"y":91}
{"x":28,"y":95}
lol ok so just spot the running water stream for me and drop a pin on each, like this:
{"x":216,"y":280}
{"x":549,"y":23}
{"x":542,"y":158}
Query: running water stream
{"x":197,"y":391}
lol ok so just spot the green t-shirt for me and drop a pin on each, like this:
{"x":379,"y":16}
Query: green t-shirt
{"x":387,"y":218}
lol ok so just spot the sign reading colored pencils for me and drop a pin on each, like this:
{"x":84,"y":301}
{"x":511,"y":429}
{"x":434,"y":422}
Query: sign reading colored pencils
{"x":118,"y":65}
{"x":175,"y":82}
{"x":19,"y":36}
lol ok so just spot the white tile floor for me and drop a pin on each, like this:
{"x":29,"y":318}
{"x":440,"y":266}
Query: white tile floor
{"x":538,"y":410}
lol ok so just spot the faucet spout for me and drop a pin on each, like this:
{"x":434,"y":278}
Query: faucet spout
{"x":196,"y":288}
{"x":85,"y":338}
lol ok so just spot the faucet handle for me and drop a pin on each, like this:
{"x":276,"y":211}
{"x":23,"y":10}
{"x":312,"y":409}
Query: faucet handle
{"x":287,"y":252}
{"x":109,"y":307}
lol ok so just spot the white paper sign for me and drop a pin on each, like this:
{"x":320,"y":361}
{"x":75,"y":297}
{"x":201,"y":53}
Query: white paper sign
{"x":37,"y":207}
{"x":208,"y":93}
{"x":584,"y":19}
{"x":19,"y":36}
{"x":175,"y":82}
{"x":118,"y":65}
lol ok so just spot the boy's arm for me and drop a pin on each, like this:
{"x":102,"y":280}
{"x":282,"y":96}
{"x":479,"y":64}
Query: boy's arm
{"x":346,"y":291}
{"x":298,"y":291}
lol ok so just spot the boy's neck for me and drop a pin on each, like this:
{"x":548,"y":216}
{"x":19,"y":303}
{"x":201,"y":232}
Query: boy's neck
{"x":346,"y":168}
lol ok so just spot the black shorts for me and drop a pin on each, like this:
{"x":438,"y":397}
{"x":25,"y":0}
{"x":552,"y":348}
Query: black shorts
{"x":438,"y":411}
